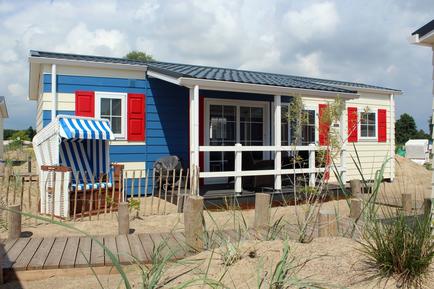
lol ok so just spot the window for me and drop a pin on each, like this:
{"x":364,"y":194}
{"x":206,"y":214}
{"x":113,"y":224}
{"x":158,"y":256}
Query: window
{"x":368,"y":125}
{"x":307,"y":128}
{"x":112,"y":106}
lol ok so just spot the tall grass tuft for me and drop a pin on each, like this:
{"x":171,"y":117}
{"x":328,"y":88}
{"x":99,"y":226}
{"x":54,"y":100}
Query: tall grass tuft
{"x":400,"y":247}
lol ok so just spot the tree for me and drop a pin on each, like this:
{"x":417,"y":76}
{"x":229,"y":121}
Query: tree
{"x":139,"y":56}
{"x":405,"y":129}
{"x":421,"y":134}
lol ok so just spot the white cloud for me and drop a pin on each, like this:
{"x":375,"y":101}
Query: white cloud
{"x":16,"y":89}
{"x":308,"y":65}
{"x":315,"y":20}
{"x":100,"y":41}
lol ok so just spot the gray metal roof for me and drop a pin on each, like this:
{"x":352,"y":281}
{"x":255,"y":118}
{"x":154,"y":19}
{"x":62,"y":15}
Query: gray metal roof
{"x":427,"y":28}
{"x":223,"y":74}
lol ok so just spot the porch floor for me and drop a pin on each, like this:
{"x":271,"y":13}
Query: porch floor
{"x":222,"y":196}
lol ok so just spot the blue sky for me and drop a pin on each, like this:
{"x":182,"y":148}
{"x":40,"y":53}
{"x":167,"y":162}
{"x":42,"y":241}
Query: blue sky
{"x":365,"y":41}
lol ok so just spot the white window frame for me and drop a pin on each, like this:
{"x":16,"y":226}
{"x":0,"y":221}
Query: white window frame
{"x":359,"y":113}
{"x":308,"y":108}
{"x":114,"y":95}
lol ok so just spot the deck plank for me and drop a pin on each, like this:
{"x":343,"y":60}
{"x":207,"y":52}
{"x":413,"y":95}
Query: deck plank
{"x":7,"y":245}
{"x":110,"y":243}
{"x":41,"y":254}
{"x":124,"y":250}
{"x":14,"y":252}
{"x":26,"y":255}
{"x":148,"y":245}
{"x":83,"y":252}
{"x":70,"y":252}
{"x":56,"y":253}
{"x":137,"y":250}
{"x":97,"y":253}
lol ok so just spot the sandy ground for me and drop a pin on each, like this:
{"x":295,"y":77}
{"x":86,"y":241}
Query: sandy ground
{"x":327,"y":262}
{"x":410,"y":177}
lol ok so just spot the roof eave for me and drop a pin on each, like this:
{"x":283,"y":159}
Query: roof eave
{"x":425,"y":40}
{"x":372,"y":90}
{"x":261,"y":89}
{"x":4,"y":109}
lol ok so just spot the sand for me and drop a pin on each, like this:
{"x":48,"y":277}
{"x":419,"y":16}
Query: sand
{"x":327,"y":262}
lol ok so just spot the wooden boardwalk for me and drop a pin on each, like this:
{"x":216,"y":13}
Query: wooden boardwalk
{"x":76,"y":251}
{"x":26,"y":254}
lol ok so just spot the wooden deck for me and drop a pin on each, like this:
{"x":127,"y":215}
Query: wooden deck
{"x":76,"y":251}
{"x":26,"y":254}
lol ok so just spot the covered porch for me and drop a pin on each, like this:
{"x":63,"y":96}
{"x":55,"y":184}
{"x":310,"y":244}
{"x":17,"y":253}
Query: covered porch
{"x":244,"y":146}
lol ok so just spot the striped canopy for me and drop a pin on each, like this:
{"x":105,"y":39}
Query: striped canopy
{"x":84,"y":128}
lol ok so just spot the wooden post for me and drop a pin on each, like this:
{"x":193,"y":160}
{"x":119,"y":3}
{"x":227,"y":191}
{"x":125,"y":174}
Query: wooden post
{"x":356,"y":187}
{"x":193,"y":216}
{"x":14,"y":222}
{"x":356,"y":207}
{"x":327,"y":223}
{"x":29,"y":164}
{"x":262,"y":210}
{"x":406,"y":202}
{"x":427,"y":206}
{"x":123,"y":219}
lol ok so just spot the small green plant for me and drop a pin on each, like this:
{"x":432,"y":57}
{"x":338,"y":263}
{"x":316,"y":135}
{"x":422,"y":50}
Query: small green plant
{"x":428,"y":166}
{"x":230,"y":253}
{"x":108,"y":201}
{"x":275,"y":230}
{"x":400,"y":246}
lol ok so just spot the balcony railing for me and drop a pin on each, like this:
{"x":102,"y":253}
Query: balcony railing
{"x":278,"y":171}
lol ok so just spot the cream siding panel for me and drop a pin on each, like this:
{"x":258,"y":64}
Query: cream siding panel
{"x":372,"y":154}
{"x":65,"y":101}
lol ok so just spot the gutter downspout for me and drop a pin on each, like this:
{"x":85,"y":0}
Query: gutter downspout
{"x":53,"y":91}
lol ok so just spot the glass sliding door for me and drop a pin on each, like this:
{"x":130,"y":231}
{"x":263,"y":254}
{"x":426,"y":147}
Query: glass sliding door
{"x":222,"y":132}
{"x":228,"y":124}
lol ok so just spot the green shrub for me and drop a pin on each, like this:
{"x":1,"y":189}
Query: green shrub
{"x":400,"y":246}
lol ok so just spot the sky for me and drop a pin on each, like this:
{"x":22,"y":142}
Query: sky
{"x":361,"y":41}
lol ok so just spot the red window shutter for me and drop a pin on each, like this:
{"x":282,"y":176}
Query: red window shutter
{"x":85,"y":103}
{"x":352,"y":124}
{"x":324,"y":125}
{"x":136,"y":117}
{"x":382,"y":125}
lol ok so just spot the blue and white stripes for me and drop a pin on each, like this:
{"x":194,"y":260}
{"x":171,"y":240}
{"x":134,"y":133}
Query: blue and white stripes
{"x":84,"y":128}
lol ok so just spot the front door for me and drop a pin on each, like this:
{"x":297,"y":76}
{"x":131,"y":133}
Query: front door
{"x":228,"y":123}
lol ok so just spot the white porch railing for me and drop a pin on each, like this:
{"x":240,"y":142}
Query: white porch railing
{"x":238,"y":173}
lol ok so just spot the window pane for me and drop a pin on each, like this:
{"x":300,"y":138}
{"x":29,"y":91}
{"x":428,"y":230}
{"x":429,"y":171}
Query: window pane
{"x":215,"y":111}
{"x":244,"y":132}
{"x":116,"y":125}
{"x":363,"y":131}
{"x":244,"y":114}
{"x":116,"y":107}
{"x":371,"y":118}
{"x":371,"y":130}
{"x":105,"y":106}
{"x":256,"y":132}
{"x":256,"y":114}
{"x":229,"y":112}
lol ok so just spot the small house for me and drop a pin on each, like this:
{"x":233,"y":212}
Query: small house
{"x":230,"y":123}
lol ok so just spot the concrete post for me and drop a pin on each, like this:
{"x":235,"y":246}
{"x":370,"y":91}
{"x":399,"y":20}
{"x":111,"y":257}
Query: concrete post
{"x":327,"y":224}
{"x":14,"y":222}
{"x":193,"y":223}
{"x":356,"y":187}
{"x":356,"y":207}
{"x":123,"y":219}
{"x":262,"y":210}
{"x":406,"y":202}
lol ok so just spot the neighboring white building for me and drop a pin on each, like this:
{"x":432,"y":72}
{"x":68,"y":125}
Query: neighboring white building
{"x":3,"y":115}
{"x":417,"y":150}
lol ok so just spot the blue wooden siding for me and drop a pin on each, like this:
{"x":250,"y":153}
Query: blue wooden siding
{"x":46,"y":115}
{"x":166,"y":122}
{"x":72,"y":83}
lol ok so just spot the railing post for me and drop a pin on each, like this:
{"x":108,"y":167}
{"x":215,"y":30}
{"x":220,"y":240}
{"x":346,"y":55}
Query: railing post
{"x":14,"y":222}
{"x":193,"y":222}
{"x":312,"y":175}
{"x":238,"y":168}
{"x":327,"y":224}
{"x":277,"y":143}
